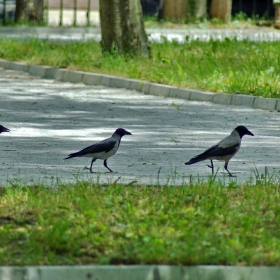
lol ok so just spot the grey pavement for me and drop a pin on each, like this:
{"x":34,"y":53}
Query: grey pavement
{"x":88,"y":33}
{"x":139,"y":272}
{"x":50,"y":119}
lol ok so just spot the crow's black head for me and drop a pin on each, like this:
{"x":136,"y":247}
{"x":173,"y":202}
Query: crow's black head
{"x":242,"y":130}
{"x":121,"y":132}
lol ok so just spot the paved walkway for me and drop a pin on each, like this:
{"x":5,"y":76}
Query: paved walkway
{"x":50,"y":119}
{"x":87,"y":33}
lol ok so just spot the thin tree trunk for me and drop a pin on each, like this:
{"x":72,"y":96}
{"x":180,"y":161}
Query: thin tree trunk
{"x":200,"y":8}
{"x":175,"y":11}
{"x":21,"y":6}
{"x":137,"y":31}
{"x":29,"y":10}
{"x":221,"y":9}
{"x":277,"y":15}
{"x":196,"y":9}
{"x":122,"y":27}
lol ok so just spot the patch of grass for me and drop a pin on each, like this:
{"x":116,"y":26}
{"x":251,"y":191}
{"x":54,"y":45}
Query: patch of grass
{"x":200,"y":223}
{"x":229,"y":66}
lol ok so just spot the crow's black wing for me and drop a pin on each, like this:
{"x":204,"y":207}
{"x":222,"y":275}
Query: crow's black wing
{"x":102,"y":146}
{"x":214,"y":151}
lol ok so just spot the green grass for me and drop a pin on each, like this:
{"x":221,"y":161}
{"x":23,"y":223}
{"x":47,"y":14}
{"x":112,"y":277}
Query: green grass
{"x":200,"y":223}
{"x":230,"y":66}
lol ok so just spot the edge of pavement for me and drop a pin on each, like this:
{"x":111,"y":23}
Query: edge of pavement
{"x":139,"y":272}
{"x":64,"y":75}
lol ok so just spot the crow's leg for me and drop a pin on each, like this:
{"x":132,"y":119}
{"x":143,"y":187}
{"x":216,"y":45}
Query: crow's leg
{"x":90,"y":169}
{"x":105,"y":164}
{"x":226,"y":168}
{"x":211,"y":166}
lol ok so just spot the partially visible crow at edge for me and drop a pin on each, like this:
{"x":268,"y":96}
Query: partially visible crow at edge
{"x":3,"y":129}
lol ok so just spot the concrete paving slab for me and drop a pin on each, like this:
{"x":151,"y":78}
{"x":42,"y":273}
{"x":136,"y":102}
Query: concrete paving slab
{"x":139,"y":272}
{"x":278,"y":105}
{"x":174,"y":92}
{"x":66,"y":76}
{"x":197,"y":95}
{"x":92,"y":79}
{"x":136,"y":85}
{"x":160,"y":90}
{"x":146,"y":88}
{"x":38,"y":70}
{"x":50,"y":73}
{"x":119,"y":82}
{"x":242,"y":100}
{"x":18,"y":66}
{"x":59,"y":74}
{"x":265,"y":103}
{"x":180,"y":93}
{"x":50,"y":119}
{"x":222,"y":98}
{"x":106,"y":80}
{"x":5,"y":64}
{"x":72,"y":76}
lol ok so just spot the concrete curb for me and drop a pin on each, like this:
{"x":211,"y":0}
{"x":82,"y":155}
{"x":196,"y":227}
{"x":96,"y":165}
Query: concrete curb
{"x":139,"y":272}
{"x":72,"y":76}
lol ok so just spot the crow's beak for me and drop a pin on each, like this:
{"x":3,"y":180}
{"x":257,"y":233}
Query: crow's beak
{"x":250,"y":133}
{"x":4,"y":129}
{"x":127,"y":133}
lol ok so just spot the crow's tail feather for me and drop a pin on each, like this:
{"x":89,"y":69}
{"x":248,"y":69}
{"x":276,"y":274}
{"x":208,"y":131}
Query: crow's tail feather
{"x":73,"y":155}
{"x":195,"y":160}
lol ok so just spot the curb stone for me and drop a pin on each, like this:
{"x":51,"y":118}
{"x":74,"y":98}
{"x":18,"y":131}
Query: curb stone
{"x":246,"y":100}
{"x":265,"y":103}
{"x":139,"y":272}
{"x":17,"y":66}
{"x":65,"y":75}
{"x":197,"y":95}
{"x":40,"y":71}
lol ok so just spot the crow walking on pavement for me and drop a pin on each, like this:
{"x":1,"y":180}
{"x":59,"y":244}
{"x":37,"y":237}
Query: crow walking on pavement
{"x":103,"y":149}
{"x":223,"y":150}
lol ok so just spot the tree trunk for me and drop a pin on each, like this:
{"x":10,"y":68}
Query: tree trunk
{"x":122,"y":27}
{"x":175,"y":11}
{"x":277,"y":15}
{"x":197,"y":9}
{"x":29,"y":11}
{"x":221,"y":9}
{"x":200,"y":9}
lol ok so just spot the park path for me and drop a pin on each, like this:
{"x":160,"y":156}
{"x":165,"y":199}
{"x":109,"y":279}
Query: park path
{"x":50,"y":119}
{"x":62,"y":34}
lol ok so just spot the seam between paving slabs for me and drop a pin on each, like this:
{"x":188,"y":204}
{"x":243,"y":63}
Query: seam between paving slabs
{"x":87,"y":78}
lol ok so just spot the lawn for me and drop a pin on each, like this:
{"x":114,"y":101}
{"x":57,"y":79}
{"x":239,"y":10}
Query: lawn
{"x":231,"y":66}
{"x":200,"y":223}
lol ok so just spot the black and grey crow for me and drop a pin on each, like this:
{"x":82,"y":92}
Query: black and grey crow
{"x":3,"y":129}
{"x":224,"y":150}
{"x":103,"y":149}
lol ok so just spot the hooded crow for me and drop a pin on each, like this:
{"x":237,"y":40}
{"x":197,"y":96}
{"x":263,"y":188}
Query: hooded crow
{"x":3,"y":129}
{"x":224,"y":150}
{"x":103,"y":149}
